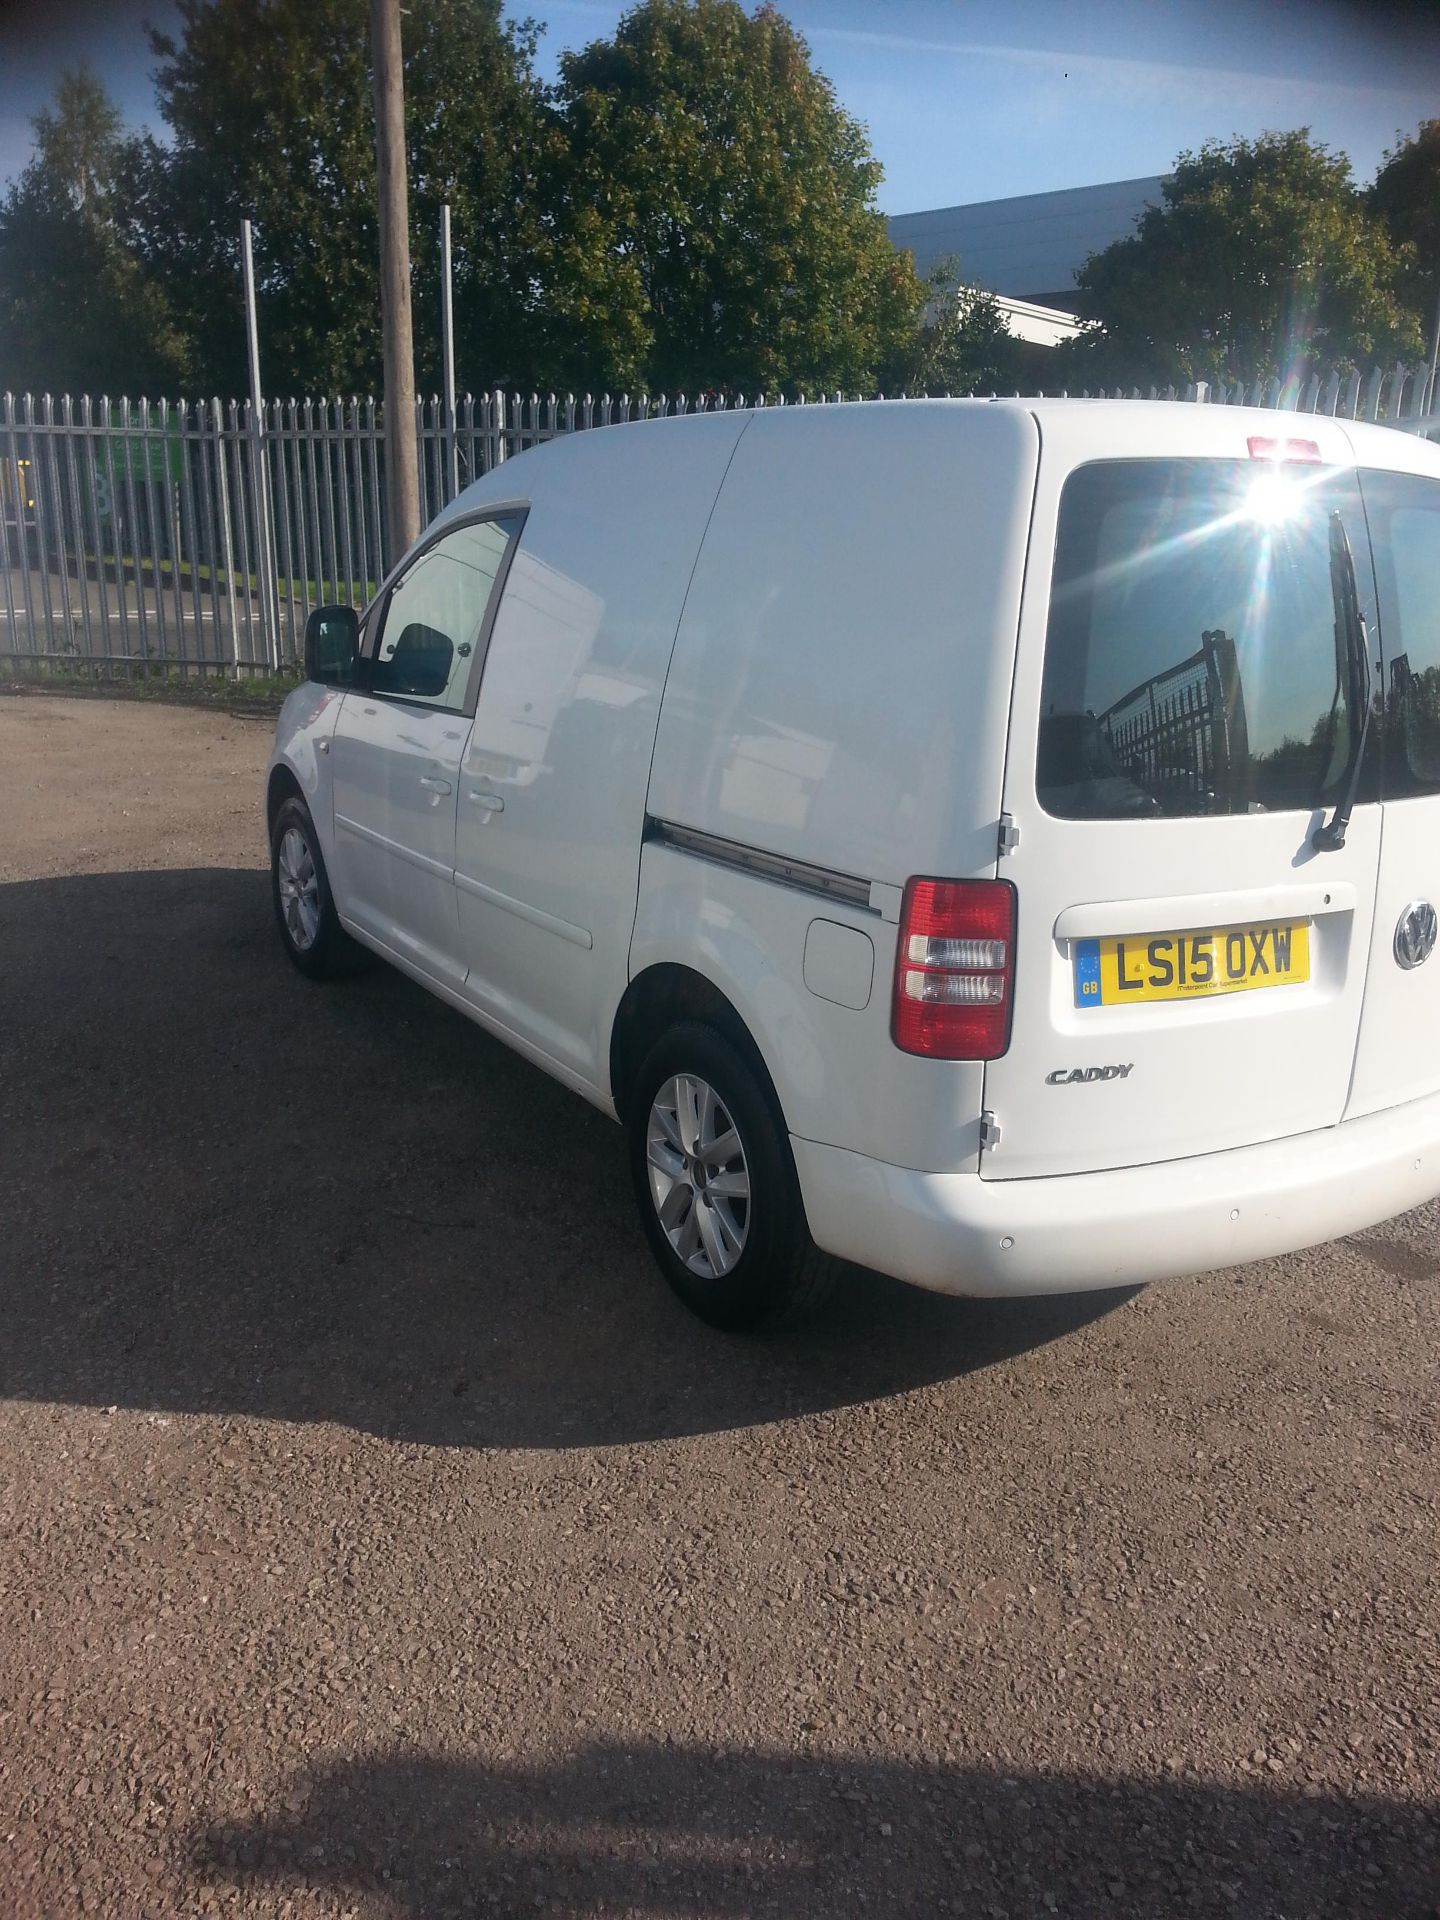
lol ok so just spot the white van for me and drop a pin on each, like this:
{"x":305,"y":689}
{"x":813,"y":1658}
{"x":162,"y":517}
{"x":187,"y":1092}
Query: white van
{"x":993,"y":842}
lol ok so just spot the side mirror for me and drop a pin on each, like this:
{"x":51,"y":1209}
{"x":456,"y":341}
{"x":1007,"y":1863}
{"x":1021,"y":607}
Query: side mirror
{"x":332,"y":646}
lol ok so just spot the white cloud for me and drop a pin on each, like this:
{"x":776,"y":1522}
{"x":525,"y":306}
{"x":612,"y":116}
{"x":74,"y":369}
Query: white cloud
{"x":1287,"y":94}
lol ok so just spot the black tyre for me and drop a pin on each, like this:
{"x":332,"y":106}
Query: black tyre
{"x":716,"y":1186}
{"x":300,"y":888}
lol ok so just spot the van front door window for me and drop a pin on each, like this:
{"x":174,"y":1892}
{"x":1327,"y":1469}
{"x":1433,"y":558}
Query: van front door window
{"x":435,"y":613}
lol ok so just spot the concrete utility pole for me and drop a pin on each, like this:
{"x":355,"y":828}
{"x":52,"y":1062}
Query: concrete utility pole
{"x":447,"y":346}
{"x":401,"y":468}
{"x":260,"y":472}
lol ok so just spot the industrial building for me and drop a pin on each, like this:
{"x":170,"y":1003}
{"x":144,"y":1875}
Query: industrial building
{"x":1028,"y":250}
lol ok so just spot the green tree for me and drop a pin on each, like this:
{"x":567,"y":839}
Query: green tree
{"x":268,"y":103}
{"x":79,"y":139}
{"x":718,"y":226}
{"x":78,"y":312}
{"x":690,"y":208}
{"x":1406,"y":196}
{"x":1261,"y":259}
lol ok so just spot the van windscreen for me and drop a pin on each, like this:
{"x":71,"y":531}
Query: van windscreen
{"x":1192,"y":659}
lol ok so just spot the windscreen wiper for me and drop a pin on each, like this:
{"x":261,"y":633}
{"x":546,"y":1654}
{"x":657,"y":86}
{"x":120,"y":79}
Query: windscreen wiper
{"x":1353,"y":645}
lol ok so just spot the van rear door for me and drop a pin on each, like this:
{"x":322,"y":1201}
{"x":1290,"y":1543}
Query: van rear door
{"x":1398,"y":1057}
{"x":1187,"y":710}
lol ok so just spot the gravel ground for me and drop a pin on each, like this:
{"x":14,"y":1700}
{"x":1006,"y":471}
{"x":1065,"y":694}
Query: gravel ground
{"x":378,"y":1538}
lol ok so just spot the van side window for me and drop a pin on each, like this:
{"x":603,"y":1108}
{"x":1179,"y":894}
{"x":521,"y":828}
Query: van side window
{"x":1404,"y":511}
{"x":435,"y":613}
{"x":1191,"y":655}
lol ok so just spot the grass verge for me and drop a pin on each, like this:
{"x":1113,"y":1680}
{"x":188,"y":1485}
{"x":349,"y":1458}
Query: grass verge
{"x":260,"y":694}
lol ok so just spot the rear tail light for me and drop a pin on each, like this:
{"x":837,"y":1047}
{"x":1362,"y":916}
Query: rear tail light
{"x":955,"y":969}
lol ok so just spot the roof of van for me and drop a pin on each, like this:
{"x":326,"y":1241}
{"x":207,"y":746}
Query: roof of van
{"x":1090,"y":429}
{"x":1164,"y":413}
{"x":1378,"y":443}
{"x":1383,"y":445}
{"x":1372,"y":442}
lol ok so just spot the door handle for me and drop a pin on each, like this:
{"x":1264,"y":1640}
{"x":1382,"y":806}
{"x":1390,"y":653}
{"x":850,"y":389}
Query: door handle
{"x":489,"y":802}
{"x":432,"y":785}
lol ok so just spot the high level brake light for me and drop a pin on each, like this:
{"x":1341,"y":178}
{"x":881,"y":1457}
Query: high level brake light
{"x":1263,"y":448}
{"x":955,"y":969}
{"x":1276,"y":494}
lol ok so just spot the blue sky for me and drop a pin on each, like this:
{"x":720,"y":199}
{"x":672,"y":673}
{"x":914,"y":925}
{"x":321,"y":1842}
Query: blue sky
{"x":976,"y":99}
{"x":964,"y":99}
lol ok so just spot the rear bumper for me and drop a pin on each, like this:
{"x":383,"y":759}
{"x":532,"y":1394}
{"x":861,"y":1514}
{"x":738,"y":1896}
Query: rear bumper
{"x":957,"y":1233}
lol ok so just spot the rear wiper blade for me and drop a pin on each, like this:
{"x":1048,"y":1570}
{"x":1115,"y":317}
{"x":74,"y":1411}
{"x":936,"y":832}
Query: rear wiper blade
{"x":1353,"y":645}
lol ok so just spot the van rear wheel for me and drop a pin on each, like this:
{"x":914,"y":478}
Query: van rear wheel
{"x":716,"y":1186}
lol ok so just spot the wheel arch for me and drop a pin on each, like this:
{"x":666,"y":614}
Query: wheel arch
{"x":662,"y":996}
{"x":282,"y":785}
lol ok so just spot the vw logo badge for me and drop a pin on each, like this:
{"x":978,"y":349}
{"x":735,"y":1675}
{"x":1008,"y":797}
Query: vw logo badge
{"x":1415,"y":934}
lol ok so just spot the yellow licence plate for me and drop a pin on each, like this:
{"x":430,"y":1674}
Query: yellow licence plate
{"x":1188,"y":966}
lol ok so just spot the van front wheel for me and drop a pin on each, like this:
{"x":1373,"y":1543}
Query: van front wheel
{"x":716,"y":1186}
{"x":300,"y":888}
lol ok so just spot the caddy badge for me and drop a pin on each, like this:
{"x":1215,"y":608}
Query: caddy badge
{"x":1415,"y":934}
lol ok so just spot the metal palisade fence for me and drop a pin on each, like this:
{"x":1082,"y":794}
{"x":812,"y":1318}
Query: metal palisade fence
{"x":132,"y":532}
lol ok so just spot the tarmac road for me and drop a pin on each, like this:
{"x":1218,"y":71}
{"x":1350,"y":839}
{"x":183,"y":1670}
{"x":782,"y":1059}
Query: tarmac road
{"x":377,"y":1537}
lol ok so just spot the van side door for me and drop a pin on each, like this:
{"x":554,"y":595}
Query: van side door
{"x":397,"y":744}
{"x":552,"y":788}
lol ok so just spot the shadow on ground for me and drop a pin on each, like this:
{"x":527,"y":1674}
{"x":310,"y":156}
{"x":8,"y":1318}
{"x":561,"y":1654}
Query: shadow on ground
{"x":229,"y":1190}
{"x":649,"y":1829}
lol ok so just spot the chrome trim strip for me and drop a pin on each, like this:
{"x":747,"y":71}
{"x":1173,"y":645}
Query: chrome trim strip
{"x":577,"y":936}
{"x":847,"y":888}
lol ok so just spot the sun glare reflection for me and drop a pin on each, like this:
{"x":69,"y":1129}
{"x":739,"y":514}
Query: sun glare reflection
{"x":1274,"y":498}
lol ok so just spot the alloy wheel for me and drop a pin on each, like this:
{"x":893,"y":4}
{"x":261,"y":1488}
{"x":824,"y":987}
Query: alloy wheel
{"x":299,"y":885}
{"x":699,"y":1177}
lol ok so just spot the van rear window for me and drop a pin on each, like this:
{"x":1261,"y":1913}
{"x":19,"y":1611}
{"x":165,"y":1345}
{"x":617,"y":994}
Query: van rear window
{"x":1192,"y":664}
